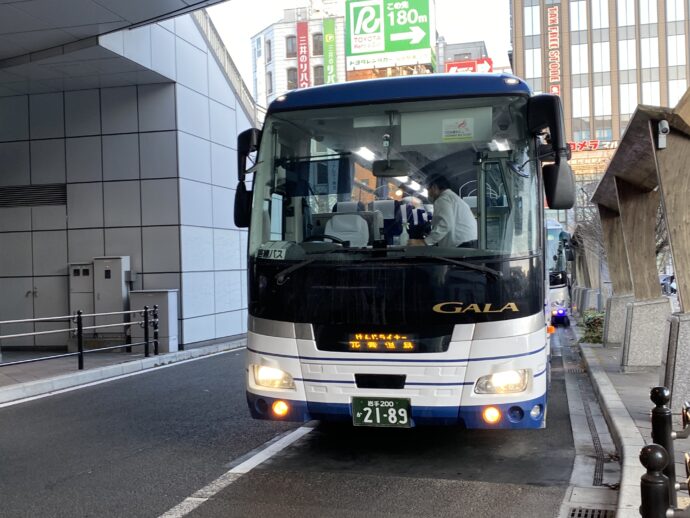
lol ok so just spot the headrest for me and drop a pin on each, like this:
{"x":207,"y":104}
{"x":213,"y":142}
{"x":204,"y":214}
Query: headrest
{"x":385,"y":207}
{"x":348,"y":206}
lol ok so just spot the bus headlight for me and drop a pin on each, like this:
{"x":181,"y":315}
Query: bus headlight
{"x":505,"y":382}
{"x":272,"y":377}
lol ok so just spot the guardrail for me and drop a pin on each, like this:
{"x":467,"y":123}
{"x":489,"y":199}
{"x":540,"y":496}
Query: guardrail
{"x":658,"y":486}
{"x":149,"y":322}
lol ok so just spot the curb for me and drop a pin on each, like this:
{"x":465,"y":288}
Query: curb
{"x":626,"y":436}
{"x":66,"y":381}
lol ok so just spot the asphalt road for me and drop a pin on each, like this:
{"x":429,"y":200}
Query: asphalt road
{"x":141,"y":445}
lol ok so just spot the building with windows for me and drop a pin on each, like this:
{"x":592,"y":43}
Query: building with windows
{"x":603,"y":57}
{"x":300,"y":50}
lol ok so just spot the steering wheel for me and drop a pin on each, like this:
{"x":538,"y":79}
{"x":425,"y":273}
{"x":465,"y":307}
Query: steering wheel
{"x":322,"y":237}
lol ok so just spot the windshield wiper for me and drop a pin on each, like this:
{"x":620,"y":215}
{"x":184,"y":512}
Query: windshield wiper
{"x":283,"y":275}
{"x":470,"y":266}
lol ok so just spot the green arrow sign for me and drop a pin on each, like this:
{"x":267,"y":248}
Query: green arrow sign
{"x":378,"y":27}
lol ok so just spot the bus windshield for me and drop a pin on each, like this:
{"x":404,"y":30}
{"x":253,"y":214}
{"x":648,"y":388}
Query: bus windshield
{"x":360,"y":178}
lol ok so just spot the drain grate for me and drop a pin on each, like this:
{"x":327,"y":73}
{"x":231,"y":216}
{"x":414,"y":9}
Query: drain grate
{"x":588,"y":512}
{"x":575,"y":370}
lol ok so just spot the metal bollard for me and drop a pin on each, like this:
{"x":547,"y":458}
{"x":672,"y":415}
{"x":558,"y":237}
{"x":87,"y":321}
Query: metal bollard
{"x":146,"y":331}
{"x":663,"y":435}
{"x":80,"y":341}
{"x":654,"y":485}
{"x":155,"y":329}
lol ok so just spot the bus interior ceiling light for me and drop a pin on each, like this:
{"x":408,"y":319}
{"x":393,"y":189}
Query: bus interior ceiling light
{"x":402,"y":179}
{"x":366,"y":154}
{"x":272,"y":378}
{"x":414,"y":185}
{"x":505,"y":382}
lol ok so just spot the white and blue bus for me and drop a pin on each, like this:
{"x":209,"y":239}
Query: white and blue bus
{"x":356,"y":311}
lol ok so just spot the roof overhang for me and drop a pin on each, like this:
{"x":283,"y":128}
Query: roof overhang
{"x":28,"y":26}
{"x":634,"y":160}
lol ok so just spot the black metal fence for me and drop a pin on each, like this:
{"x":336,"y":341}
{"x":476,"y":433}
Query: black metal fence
{"x":149,"y":322}
{"x":658,"y":486}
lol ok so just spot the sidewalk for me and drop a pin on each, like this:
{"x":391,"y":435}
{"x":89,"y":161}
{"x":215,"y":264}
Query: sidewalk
{"x":37,"y":378}
{"x":624,"y":398}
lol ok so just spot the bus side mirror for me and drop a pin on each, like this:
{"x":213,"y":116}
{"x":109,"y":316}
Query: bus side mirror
{"x":247,"y":143}
{"x":546,"y":111}
{"x":559,"y":185}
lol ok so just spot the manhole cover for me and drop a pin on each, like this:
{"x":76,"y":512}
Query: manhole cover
{"x":588,"y":512}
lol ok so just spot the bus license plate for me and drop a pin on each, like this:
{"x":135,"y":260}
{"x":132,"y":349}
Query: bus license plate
{"x":392,"y":412}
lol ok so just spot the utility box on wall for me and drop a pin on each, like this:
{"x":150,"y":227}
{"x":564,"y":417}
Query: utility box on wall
{"x":110,"y":277}
{"x":81,"y":291}
{"x":167,"y":317}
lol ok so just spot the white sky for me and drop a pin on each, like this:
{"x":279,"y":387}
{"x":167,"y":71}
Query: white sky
{"x":457,"y":21}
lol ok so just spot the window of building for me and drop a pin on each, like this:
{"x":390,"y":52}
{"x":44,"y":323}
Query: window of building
{"x":291,"y":78}
{"x":651,"y":93}
{"x":581,"y":102}
{"x":602,"y":100}
{"x":257,"y":47}
{"x":676,"y":89}
{"x":600,"y":14}
{"x":291,"y":46}
{"x":579,"y":59}
{"x":627,"y":55}
{"x":628,"y":97}
{"x":604,"y":134}
{"x":626,"y":13}
{"x":533,"y":63}
{"x":649,"y":52}
{"x":532,"y":25}
{"x":674,"y":10}
{"x":676,"y":50}
{"x":318,"y":75}
{"x":601,"y":58}
{"x":269,"y":53}
{"x":269,"y":83}
{"x":581,"y":135}
{"x":317,"y":44}
{"x":578,"y":16}
{"x":648,"y":11}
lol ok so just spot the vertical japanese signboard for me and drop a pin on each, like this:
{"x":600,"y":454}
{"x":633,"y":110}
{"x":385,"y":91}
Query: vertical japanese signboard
{"x":330,"y":74}
{"x":553,"y":37}
{"x":303,"y":76}
{"x":388,"y":33}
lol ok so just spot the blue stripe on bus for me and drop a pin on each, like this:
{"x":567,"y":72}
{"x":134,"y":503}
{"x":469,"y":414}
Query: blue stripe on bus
{"x":350,"y":382}
{"x":394,"y":360}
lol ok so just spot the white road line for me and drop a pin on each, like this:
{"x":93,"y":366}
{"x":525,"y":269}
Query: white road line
{"x":121,"y":376}
{"x":215,"y":487}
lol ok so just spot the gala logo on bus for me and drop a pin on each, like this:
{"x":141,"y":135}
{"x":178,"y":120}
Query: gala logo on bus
{"x":459,"y":307}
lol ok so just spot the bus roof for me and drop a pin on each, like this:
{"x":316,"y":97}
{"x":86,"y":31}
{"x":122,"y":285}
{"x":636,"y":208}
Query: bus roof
{"x":407,"y":88}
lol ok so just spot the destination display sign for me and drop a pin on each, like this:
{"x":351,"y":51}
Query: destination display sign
{"x":382,"y":343}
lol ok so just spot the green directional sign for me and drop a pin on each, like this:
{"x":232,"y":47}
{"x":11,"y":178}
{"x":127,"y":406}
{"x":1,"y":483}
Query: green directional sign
{"x":382,"y":33}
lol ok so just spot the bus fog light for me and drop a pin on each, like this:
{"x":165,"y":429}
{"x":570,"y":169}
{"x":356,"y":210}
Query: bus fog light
{"x":535,"y":413}
{"x":280,"y":408}
{"x":273,"y":378}
{"x":505,"y":382}
{"x":491,"y":415}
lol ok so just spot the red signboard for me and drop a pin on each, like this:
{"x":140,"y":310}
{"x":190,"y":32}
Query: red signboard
{"x":303,"y":79}
{"x":471,"y":65}
{"x":592,"y":145}
{"x":553,"y":35}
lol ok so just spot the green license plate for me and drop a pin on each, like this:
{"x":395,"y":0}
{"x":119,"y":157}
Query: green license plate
{"x":392,"y":412}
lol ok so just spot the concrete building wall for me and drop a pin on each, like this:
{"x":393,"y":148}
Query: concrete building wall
{"x":149,"y":171}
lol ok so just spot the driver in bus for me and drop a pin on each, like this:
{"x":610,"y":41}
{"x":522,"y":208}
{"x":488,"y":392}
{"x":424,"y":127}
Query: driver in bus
{"x":453,"y":223}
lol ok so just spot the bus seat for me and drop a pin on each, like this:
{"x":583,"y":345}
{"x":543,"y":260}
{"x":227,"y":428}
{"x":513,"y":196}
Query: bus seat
{"x":348,"y":206}
{"x":392,"y":218}
{"x":349,"y":227}
{"x":417,"y":219}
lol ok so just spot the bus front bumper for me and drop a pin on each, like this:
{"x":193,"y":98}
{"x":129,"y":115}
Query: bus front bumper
{"x":519,"y":415}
